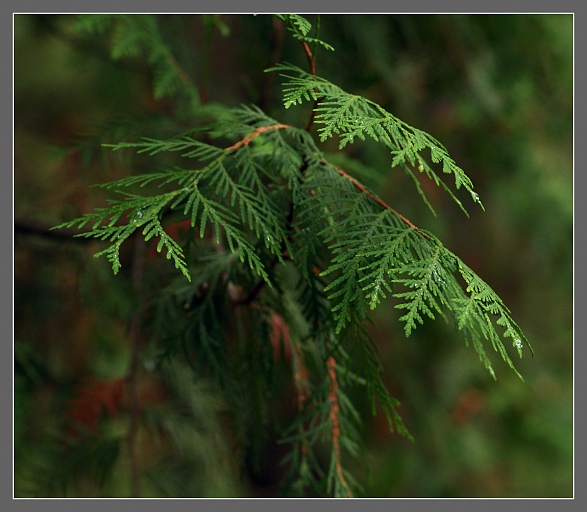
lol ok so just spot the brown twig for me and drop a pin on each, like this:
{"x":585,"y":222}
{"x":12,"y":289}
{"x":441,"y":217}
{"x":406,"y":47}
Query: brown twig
{"x":312,"y":62}
{"x":380,"y":202}
{"x":311,"y":58}
{"x":258,"y":131}
{"x":335,"y":423}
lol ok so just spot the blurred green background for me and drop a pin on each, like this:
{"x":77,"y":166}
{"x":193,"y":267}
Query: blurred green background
{"x":496,"y":90}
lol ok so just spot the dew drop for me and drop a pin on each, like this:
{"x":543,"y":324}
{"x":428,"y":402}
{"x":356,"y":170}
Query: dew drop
{"x":139,"y":214}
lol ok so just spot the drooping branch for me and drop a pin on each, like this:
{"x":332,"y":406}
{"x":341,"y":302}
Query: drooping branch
{"x":334,"y":421}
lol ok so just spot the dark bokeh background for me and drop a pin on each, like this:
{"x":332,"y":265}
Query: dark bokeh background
{"x":497,"y":90}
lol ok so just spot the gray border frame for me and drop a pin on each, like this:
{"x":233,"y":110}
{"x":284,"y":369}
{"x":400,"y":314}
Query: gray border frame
{"x":8,"y":7}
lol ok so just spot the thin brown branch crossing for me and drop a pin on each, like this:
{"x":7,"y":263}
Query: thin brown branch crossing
{"x":334,"y":411}
{"x":379,"y":201}
{"x":258,"y":131}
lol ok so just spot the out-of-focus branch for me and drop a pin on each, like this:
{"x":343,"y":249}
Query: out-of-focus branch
{"x":28,"y":227}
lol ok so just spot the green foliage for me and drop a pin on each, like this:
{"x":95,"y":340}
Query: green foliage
{"x":350,"y":116}
{"x":285,"y":249}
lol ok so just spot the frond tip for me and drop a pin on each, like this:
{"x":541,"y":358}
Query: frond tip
{"x":140,"y":212}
